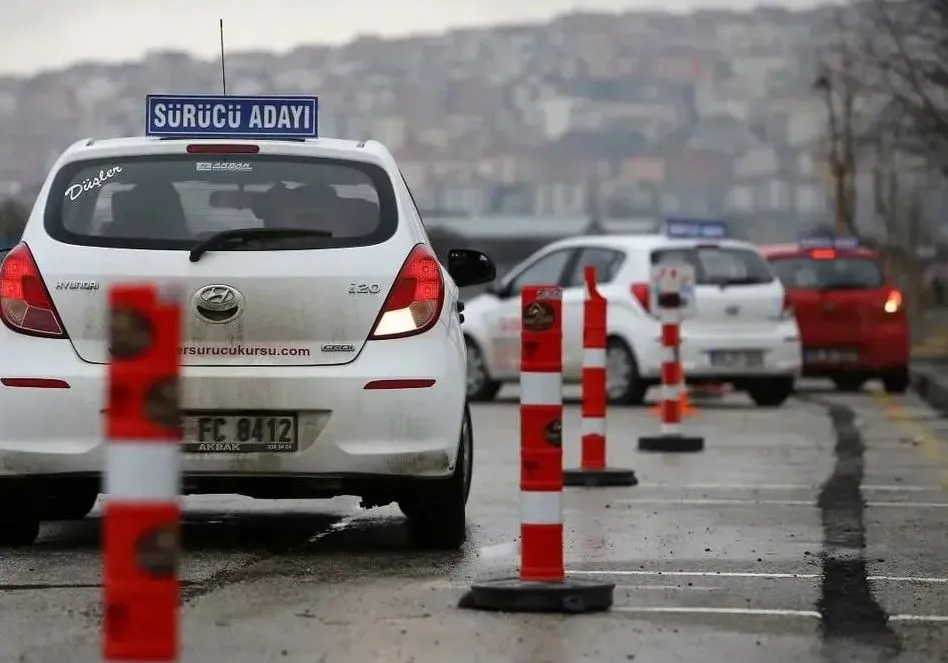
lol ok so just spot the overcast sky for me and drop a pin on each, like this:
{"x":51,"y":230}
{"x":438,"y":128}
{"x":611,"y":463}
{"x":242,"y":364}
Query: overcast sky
{"x":41,"y":34}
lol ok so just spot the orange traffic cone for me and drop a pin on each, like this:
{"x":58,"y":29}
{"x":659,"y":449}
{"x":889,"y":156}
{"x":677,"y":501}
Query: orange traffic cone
{"x":686,"y":407}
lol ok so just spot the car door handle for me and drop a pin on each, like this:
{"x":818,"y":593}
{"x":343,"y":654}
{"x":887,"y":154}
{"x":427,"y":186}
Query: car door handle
{"x":460,"y":308}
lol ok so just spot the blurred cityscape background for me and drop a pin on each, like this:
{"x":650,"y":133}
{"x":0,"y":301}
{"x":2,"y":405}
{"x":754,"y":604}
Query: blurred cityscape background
{"x":773,"y":120}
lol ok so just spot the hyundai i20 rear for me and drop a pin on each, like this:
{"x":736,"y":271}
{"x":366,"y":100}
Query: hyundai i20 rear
{"x":852,"y":322}
{"x":743,"y":332}
{"x":321,"y":345}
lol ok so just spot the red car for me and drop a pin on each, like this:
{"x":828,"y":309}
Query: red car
{"x":853,"y":326}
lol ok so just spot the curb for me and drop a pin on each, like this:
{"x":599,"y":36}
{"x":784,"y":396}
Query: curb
{"x":931,"y":387}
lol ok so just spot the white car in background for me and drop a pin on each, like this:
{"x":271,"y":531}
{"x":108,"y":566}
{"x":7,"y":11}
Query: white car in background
{"x":744,"y":332}
{"x":319,"y":329}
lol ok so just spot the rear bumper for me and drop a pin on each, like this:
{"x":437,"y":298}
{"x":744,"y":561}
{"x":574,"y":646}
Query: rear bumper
{"x":344,"y":429}
{"x":780,"y":347}
{"x":886,"y":348}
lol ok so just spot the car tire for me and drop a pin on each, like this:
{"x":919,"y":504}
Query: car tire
{"x":436,"y":514}
{"x":770,"y":392}
{"x":71,"y":505}
{"x":480,"y":386}
{"x":896,"y":381}
{"x":849,"y":383}
{"x":624,"y":385}
{"x":18,"y":530}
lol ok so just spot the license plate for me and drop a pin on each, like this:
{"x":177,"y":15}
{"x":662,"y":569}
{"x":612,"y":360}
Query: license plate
{"x":830,"y":356}
{"x":737,"y":359}
{"x":240,"y":433}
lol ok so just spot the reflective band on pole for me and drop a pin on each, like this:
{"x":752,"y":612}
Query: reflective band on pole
{"x":541,"y":388}
{"x":541,"y":508}
{"x":592,"y":426}
{"x":142,"y":472}
{"x":541,"y":434}
{"x":594,"y":358}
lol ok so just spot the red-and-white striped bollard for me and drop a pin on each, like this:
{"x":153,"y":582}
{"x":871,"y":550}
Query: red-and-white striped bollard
{"x":592,"y":469}
{"x":671,"y":371}
{"x":541,"y":435}
{"x":542,"y":585}
{"x":142,"y":479}
{"x":670,"y":305}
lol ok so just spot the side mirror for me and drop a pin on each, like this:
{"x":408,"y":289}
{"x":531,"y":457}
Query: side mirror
{"x":469,"y":267}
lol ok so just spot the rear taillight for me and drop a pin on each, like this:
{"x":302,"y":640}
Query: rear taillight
{"x":215,"y":148}
{"x":893,"y":302}
{"x":641,"y":292}
{"x":786,"y":311}
{"x":414,"y":303}
{"x":25,"y":304}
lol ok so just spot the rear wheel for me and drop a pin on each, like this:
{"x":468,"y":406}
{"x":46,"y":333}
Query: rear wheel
{"x":849,"y":382}
{"x":18,"y":529}
{"x":68,"y":505}
{"x":770,"y":392}
{"x":436,"y":513}
{"x":896,"y":381}
{"x":624,"y":385}
{"x":480,"y":386}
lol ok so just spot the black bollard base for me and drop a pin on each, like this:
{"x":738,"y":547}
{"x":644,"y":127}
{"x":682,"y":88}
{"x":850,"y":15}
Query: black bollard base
{"x":608,"y":476}
{"x":671,"y":443}
{"x":571,"y":596}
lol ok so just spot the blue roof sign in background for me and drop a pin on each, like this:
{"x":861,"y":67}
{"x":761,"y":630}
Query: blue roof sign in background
{"x":695,"y":229}
{"x":827,"y":241}
{"x":216,"y":116}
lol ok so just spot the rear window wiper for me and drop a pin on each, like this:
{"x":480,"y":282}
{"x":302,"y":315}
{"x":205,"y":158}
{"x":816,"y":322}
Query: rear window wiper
{"x":241,"y":235}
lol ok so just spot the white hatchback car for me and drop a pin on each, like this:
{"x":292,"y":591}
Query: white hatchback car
{"x":744,"y":332}
{"x":321,"y":336}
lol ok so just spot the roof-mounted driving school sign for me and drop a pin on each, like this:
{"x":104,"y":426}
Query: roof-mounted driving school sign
{"x":217,"y":116}
{"x":695,"y":229}
{"x":827,"y":241}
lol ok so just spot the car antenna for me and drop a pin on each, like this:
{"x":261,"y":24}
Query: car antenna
{"x":223,"y":67}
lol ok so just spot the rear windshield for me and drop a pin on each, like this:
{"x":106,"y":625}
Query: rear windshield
{"x":850,"y":273}
{"x":719,"y":265}
{"x":173,"y":202}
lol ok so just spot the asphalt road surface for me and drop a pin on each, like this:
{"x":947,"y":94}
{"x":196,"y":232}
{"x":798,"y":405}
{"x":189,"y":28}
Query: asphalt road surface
{"x":813,"y":532}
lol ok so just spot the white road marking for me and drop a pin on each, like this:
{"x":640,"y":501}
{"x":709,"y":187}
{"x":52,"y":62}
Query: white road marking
{"x":689,"y":588}
{"x":922,"y":580}
{"x":508,"y":549}
{"x":894,"y":488}
{"x":697,"y":610}
{"x":753,"y":502}
{"x":761,"y":612}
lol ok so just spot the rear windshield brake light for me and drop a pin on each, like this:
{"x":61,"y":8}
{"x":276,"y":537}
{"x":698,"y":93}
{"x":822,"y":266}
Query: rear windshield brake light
{"x":823,"y":254}
{"x":215,"y":148}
